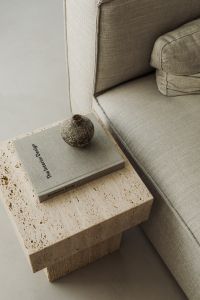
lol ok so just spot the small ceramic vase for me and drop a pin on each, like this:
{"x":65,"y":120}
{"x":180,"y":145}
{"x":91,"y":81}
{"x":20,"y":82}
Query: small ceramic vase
{"x":77,"y":131}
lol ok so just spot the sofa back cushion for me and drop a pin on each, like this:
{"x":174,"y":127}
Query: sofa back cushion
{"x":110,"y":41}
{"x":128,"y":30}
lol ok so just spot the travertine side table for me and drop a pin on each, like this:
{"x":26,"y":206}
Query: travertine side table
{"x":75,"y":228}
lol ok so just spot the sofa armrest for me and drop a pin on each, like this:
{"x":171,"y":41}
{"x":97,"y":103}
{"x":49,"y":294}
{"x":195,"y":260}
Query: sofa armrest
{"x":81,"y":18}
{"x":110,"y":41}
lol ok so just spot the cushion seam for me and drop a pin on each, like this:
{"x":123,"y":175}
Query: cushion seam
{"x":186,"y":93}
{"x":167,"y":91}
{"x":148,"y":175}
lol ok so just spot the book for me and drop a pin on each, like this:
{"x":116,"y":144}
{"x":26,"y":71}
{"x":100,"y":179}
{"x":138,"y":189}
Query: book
{"x":54,"y":167}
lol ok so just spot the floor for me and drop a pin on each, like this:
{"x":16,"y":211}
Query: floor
{"x":33,"y":92}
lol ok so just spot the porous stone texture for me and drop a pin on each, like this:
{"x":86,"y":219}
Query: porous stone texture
{"x":83,"y":258}
{"x":58,"y":229}
{"x":77,"y":131}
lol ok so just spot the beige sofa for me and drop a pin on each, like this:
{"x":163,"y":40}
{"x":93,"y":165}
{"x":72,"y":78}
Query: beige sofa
{"x":109,"y":44}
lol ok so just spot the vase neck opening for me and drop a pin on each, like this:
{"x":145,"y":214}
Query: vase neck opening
{"x":77,"y":119}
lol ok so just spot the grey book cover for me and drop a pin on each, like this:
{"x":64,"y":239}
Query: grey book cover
{"x":53,"y":166}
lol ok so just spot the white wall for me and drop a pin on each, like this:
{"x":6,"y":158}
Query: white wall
{"x":33,"y":77}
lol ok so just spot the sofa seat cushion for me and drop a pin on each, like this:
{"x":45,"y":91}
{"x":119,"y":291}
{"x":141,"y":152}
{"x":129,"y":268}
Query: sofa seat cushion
{"x":163,"y":136}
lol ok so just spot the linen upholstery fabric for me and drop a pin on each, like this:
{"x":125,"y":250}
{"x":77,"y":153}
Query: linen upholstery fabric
{"x":109,"y":42}
{"x":176,"y":85}
{"x":81,"y":29}
{"x":176,"y":56}
{"x":178,"y":52}
{"x":162,"y":136}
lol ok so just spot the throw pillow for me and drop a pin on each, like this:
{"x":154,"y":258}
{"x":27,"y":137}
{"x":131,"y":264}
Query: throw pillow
{"x":177,"y":85}
{"x":178,"y":52}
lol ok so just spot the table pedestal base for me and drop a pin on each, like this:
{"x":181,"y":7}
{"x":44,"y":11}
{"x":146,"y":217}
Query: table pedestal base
{"x":83,"y":258}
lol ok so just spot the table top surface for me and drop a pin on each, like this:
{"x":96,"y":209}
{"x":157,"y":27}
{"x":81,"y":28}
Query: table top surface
{"x":41,"y":225}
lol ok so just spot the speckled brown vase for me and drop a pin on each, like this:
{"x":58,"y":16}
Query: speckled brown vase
{"x":78,"y":131}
